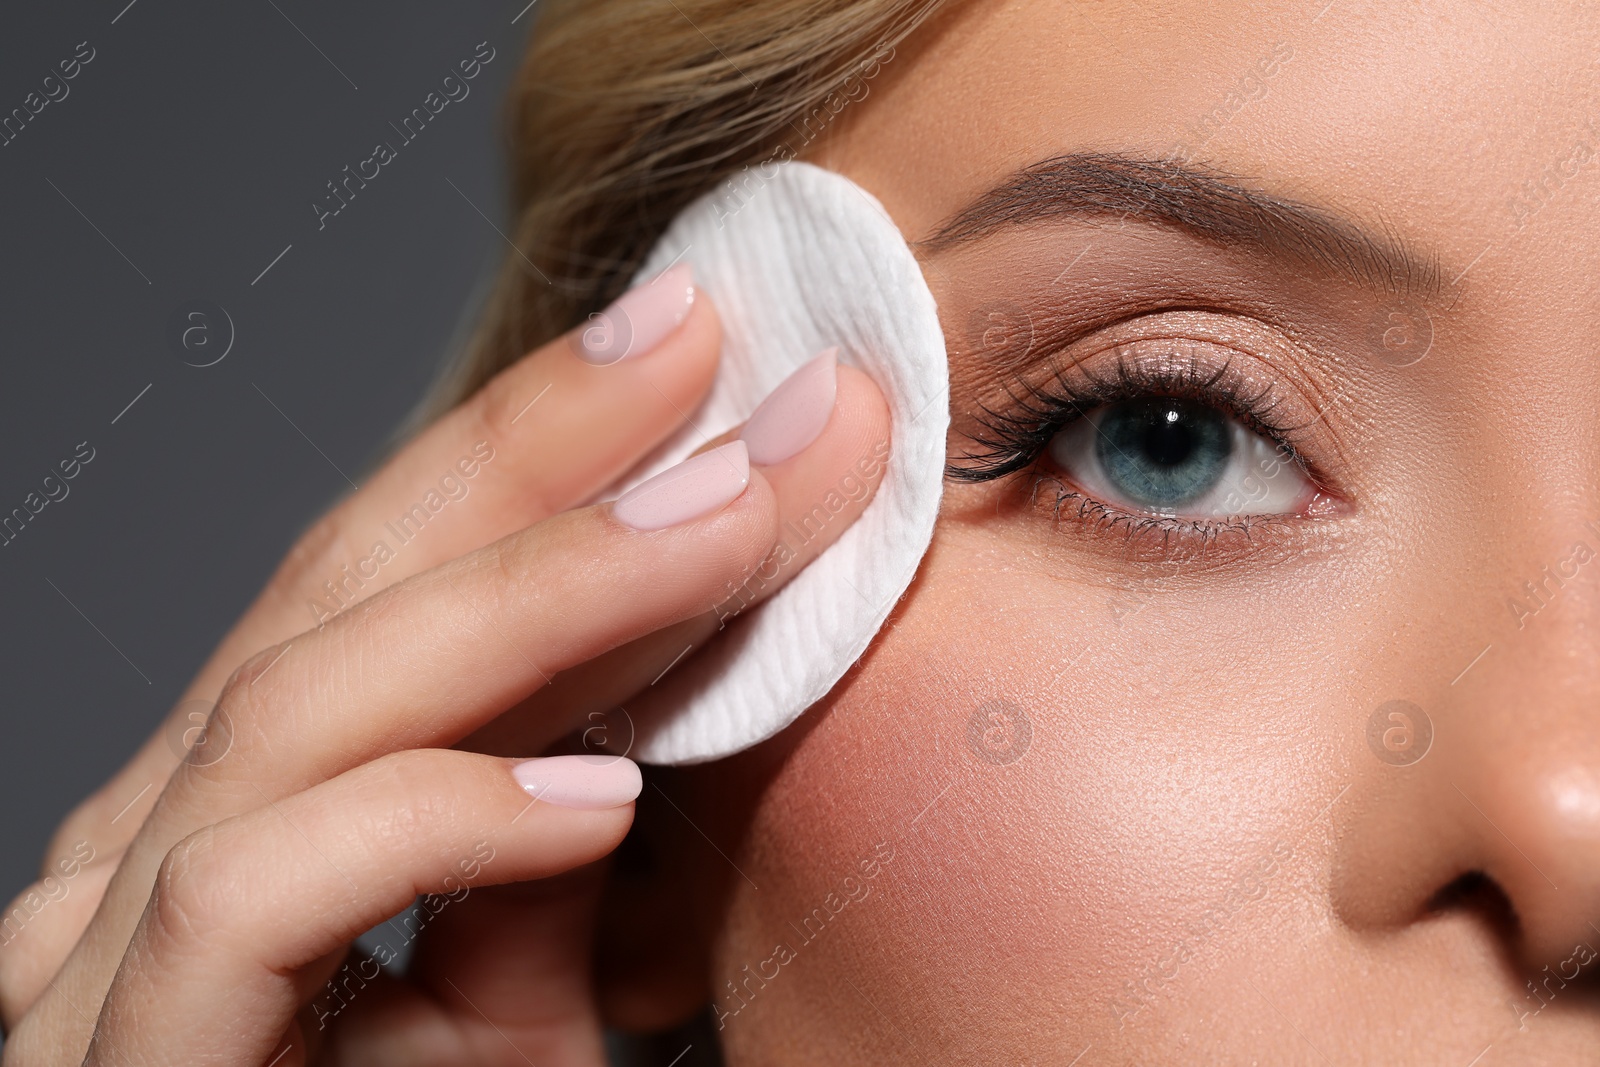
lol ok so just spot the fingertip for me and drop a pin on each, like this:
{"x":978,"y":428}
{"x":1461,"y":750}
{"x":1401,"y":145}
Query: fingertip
{"x":862,"y":402}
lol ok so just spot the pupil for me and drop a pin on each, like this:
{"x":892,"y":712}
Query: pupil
{"x":1167,"y":440}
{"x":1164,"y":452}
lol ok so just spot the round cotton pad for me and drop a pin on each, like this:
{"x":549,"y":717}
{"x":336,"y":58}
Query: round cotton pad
{"x":796,"y":259}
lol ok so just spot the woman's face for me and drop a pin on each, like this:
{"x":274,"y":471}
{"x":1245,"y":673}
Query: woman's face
{"x":1122,"y":780}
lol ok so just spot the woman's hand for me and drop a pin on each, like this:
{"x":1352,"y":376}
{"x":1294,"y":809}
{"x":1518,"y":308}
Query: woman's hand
{"x":213,"y":924}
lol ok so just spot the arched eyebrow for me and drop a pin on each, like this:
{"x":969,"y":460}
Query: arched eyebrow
{"x":1207,"y":205}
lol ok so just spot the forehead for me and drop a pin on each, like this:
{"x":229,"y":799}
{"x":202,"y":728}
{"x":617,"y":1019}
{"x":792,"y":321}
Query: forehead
{"x":1469,"y":130}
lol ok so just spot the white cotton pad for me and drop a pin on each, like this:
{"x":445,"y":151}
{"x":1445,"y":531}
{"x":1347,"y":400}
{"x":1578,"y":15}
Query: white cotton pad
{"x":796,"y":260}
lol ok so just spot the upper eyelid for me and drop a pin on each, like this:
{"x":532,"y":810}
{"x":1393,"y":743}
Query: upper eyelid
{"x":1042,"y":414}
{"x":1312,"y":374}
{"x":1308,"y":382}
{"x":1249,"y":408}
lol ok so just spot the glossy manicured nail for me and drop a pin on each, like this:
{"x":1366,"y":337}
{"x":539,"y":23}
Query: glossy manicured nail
{"x":639,"y":319}
{"x":588,"y":782}
{"x":695,"y":487}
{"x":794,"y":414}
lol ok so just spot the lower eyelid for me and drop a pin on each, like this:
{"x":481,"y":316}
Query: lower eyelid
{"x":1160,"y":536}
{"x":1108,"y":539}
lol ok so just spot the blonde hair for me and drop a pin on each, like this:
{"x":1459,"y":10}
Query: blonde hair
{"x":626,"y":110}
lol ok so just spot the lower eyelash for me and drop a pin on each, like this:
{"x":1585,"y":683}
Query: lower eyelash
{"x":1190,"y":536}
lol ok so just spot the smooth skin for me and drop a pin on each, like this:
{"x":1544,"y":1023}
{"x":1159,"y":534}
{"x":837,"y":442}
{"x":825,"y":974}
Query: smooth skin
{"x":1200,"y":859}
{"x":219,"y":905}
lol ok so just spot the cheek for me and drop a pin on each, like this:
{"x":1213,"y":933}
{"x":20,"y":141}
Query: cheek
{"x":1074,"y":792}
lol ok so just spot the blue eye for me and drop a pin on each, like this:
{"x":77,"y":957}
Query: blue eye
{"x":1174,"y":457}
{"x":1163,"y":453}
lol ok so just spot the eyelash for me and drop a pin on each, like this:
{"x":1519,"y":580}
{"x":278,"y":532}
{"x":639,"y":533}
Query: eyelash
{"x":1013,"y":441}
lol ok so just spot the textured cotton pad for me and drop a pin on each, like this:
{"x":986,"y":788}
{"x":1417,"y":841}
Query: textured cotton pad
{"x":797,"y":260}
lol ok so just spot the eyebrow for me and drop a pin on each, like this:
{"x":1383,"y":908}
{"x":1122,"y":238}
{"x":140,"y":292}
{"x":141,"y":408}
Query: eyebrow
{"x":1206,"y":204}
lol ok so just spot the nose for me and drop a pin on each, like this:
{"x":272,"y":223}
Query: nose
{"x":1509,"y":788}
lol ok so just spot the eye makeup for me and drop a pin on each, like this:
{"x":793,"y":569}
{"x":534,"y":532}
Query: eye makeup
{"x":1166,"y":436}
{"x":1152,"y":395}
{"x":1012,"y":434}
{"x":1166,"y":440}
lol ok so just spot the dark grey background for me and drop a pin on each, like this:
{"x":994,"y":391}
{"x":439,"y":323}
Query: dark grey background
{"x":185,"y":158}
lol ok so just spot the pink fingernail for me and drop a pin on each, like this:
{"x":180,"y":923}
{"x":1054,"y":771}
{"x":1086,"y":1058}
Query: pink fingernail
{"x":639,"y":320}
{"x":588,"y":782}
{"x":695,"y":487}
{"x":793,"y":415}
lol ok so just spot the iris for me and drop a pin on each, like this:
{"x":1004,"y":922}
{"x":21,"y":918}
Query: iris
{"x":1163,"y":452}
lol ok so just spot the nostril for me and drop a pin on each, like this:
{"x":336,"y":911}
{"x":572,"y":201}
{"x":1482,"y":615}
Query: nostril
{"x":1480,"y":899}
{"x":1505,"y":843}
{"x":1476,"y":894}
{"x":1570,"y":983}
